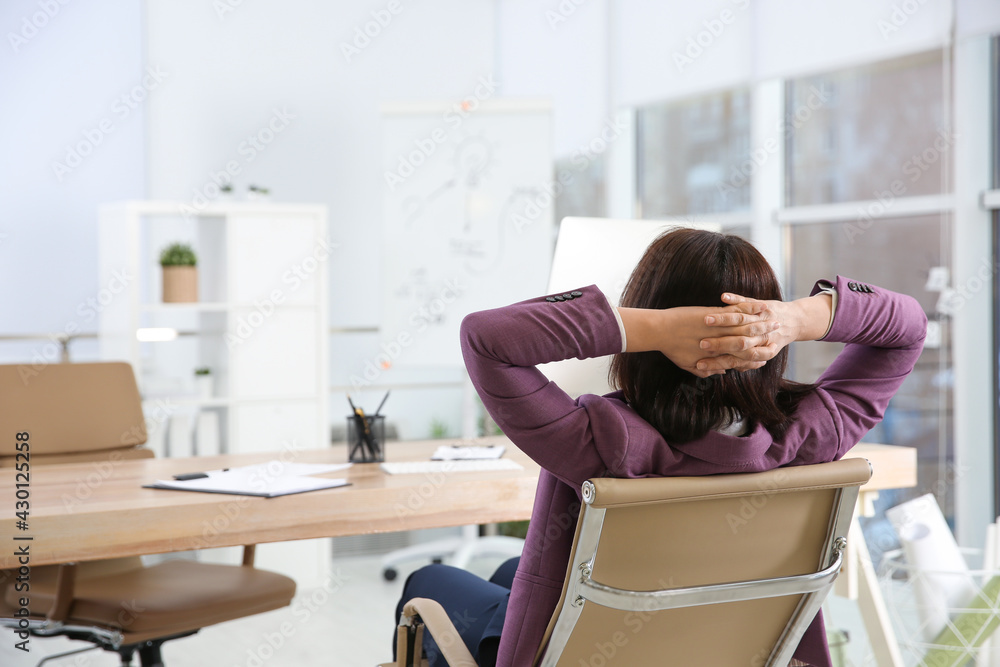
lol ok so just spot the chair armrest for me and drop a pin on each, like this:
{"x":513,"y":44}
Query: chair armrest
{"x":249,"y":550}
{"x":65,"y":583}
{"x":431,"y":615}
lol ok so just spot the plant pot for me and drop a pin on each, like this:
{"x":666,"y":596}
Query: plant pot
{"x":204,"y":385}
{"x":180,"y":284}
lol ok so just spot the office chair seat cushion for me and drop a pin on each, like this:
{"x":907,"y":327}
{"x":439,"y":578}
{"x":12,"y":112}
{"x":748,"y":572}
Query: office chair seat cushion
{"x":168,"y":598}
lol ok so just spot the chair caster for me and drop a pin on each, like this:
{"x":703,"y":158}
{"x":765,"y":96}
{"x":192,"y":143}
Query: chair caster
{"x":389,"y":574}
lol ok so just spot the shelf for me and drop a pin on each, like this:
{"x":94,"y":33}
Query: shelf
{"x":203,"y":307}
{"x":214,"y":209}
{"x":211,"y":307}
{"x":246,"y":248}
{"x":188,"y":400}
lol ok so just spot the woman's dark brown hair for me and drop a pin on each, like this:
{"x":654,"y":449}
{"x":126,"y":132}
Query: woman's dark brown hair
{"x":690,"y":267}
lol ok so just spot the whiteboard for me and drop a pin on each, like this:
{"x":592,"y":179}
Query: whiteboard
{"x":602,"y":252}
{"x":467,"y":220}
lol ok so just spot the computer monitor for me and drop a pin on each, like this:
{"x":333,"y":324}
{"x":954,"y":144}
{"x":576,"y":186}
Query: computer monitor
{"x":602,"y":252}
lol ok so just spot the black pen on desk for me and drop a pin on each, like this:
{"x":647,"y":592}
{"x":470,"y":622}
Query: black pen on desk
{"x":183,"y":477}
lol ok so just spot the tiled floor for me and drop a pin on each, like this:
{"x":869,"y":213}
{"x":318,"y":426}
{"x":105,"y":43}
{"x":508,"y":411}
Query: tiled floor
{"x":349,"y":625}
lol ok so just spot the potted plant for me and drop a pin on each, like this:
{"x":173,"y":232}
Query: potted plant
{"x":257,"y":193}
{"x":180,"y":273}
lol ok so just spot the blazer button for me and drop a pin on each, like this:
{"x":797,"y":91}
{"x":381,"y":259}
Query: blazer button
{"x":550,"y":299}
{"x":852,"y":286}
{"x":577,"y":293}
{"x":568,"y":296}
{"x":559,"y":297}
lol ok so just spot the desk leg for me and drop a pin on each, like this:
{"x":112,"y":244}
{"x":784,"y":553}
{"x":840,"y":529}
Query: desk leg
{"x":873,"y":611}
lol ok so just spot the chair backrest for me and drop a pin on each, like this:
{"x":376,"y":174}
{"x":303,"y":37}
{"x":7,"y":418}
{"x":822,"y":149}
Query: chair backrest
{"x":719,"y":570}
{"x":73,"y":412}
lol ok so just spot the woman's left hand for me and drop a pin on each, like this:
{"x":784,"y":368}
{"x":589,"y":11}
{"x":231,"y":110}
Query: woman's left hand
{"x":679,"y":332}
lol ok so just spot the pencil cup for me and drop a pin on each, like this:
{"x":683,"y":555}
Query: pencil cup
{"x":366,"y":444}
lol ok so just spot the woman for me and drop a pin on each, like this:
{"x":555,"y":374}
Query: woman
{"x":678,"y":410}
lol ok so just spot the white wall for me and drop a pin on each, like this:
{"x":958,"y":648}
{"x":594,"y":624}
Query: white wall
{"x":230,"y":72}
{"x":665,"y":50}
{"x":63,"y":71}
{"x":558,"y":50}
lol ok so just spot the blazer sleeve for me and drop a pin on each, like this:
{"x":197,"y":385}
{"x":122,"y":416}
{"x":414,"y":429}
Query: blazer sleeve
{"x":884,"y":334}
{"x":501,"y":348}
{"x":593,"y":436}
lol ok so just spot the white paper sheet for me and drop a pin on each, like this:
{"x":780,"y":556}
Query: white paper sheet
{"x":270,"y":479}
{"x":467,"y":452}
{"x":250,"y":485}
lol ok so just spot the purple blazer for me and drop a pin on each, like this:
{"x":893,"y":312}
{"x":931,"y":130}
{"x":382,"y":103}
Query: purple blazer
{"x":597,"y":436}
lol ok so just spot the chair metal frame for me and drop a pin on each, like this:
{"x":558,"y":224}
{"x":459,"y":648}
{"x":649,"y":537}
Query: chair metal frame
{"x":814,"y":586}
{"x":582,"y":589}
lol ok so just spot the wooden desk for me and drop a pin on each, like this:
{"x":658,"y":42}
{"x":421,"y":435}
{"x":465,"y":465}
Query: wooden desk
{"x":91,"y":511}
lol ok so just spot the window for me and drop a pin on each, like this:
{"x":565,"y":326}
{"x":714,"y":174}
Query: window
{"x":855,"y":131}
{"x":896,"y":254}
{"x":693,"y":156}
{"x":584,"y":187}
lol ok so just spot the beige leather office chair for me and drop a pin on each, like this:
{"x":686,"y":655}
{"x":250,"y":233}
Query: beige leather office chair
{"x":92,"y":412}
{"x":720,"y":570}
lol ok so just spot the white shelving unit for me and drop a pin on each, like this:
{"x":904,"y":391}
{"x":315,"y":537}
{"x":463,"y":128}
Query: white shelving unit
{"x":259,"y":326}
